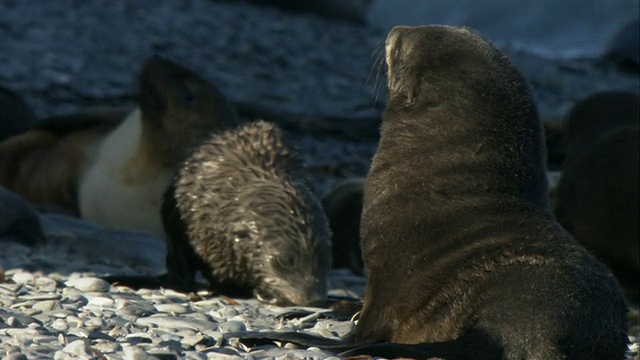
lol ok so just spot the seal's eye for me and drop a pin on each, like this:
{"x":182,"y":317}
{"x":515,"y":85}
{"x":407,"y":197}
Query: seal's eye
{"x":286,"y":261}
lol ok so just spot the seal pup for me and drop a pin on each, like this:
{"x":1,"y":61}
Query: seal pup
{"x":462,"y":250}
{"x":233,"y":213}
{"x":343,"y":206}
{"x":598,"y":196}
{"x":177,"y":110}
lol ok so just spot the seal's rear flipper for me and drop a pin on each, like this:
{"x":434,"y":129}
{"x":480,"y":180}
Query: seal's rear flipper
{"x":475,"y":344}
{"x":251,"y":339}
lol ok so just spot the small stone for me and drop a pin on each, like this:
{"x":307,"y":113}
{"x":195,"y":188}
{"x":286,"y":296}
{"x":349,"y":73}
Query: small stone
{"x":46,"y":284}
{"x":93,"y":323}
{"x":232,"y":326}
{"x":79,"y":332}
{"x":60,"y":325}
{"x":136,"y":353}
{"x":22,"y":278}
{"x":106,"y":347}
{"x":171,"y":308}
{"x":89,"y":284}
{"x":47,"y":305}
{"x":173,"y":322}
{"x":45,"y":339}
{"x":191,"y":341}
{"x":78,"y":348}
{"x":101,"y":301}
{"x":16,"y":356}
{"x":40,"y":297}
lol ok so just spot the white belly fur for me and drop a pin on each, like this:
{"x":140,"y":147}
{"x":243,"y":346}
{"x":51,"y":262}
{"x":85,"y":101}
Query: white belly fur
{"x":108,"y":197}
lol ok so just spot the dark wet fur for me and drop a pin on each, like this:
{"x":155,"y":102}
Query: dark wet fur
{"x":234,"y":214}
{"x":456,"y":231}
{"x":177,"y":101}
{"x":598,"y":196}
{"x":19,"y":220}
{"x":343,"y":205}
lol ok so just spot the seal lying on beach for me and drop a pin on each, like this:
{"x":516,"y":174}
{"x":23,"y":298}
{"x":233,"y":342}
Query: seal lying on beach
{"x":598,"y":194}
{"x":234,"y":214}
{"x":45,"y":163}
{"x":465,"y":259}
{"x":112,"y":165}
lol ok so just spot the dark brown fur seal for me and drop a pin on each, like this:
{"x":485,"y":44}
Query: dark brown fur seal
{"x":462,"y":250}
{"x":465,"y":259}
{"x":343,"y":206}
{"x":234,"y":214}
{"x":598,"y":196}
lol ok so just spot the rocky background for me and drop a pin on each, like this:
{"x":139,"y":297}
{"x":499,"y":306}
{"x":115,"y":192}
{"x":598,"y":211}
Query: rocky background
{"x":321,"y":78}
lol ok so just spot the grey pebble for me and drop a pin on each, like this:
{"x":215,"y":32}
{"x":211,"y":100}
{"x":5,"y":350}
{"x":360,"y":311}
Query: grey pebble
{"x":195,"y":355}
{"x":60,"y":325}
{"x":175,"y":322}
{"x":136,"y":353}
{"x":46,"y":284}
{"x":47,"y":305}
{"x":171,"y":308}
{"x":93,"y":323}
{"x":136,"y":308}
{"x":16,"y":356}
{"x":106,"y":347}
{"x":196,"y":339}
{"x":101,"y":301}
{"x":89,"y":284}
{"x":23,"y":277}
{"x":40,"y":297}
{"x":79,"y":332}
{"x":231,"y":326}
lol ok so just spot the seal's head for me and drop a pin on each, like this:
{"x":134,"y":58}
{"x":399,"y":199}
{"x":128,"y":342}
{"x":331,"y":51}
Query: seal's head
{"x":288,"y":233}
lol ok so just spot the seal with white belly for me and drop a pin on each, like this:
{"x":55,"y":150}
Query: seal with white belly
{"x":134,"y":163}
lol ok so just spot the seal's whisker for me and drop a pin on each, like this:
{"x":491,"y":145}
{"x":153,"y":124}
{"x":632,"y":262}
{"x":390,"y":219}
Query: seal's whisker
{"x":376,"y":67}
{"x":377,"y":54}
